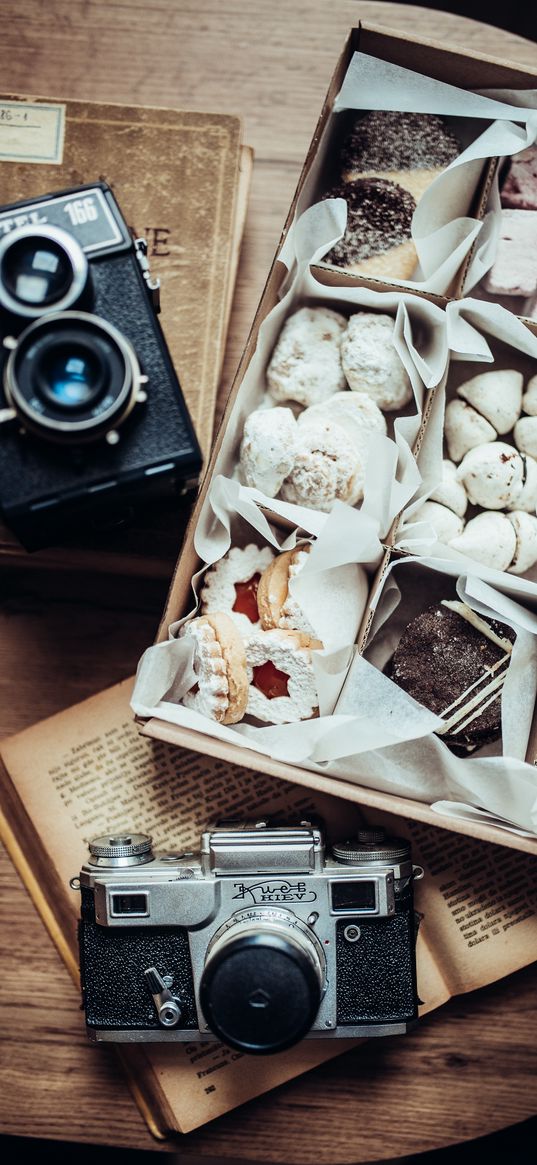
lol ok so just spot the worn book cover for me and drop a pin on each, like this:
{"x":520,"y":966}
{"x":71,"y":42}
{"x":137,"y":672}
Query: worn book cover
{"x":181,"y":180}
{"x":477,"y":902}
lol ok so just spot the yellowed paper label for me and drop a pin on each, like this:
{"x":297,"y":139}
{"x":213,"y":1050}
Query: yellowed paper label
{"x":31,"y":132}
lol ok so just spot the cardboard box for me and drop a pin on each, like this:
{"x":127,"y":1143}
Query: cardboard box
{"x":470,"y":70}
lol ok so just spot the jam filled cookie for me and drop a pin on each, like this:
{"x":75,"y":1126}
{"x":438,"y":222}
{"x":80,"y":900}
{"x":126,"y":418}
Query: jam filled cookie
{"x":281,"y":676}
{"x":219,"y":662}
{"x":231,"y":584}
{"x":277,"y":607}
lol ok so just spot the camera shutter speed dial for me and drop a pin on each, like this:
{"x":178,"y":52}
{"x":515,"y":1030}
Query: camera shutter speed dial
{"x":125,"y":849}
{"x":262,"y":985}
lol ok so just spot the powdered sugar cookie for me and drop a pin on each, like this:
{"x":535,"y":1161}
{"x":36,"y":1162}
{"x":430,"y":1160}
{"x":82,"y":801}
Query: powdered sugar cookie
{"x":280,"y":672}
{"x":326,"y":467}
{"x":231,"y":585}
{"x":359,"y":416}
{"x":371,"y":363}
{"x":306,"y":364}
{"x":219,"y":662}
{"x":268,"y":449}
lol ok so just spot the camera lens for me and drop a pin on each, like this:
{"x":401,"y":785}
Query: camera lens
{"x":262,"y":983}
{"x":42,"y":269}
{"x":72,"y":376}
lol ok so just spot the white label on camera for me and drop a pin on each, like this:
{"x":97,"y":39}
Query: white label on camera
{"x":31,"y":132}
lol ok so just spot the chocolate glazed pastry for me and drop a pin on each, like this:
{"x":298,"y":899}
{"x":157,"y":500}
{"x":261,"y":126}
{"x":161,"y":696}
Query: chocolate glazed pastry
{"x":454,"y":662}
{"x":377,"y":240}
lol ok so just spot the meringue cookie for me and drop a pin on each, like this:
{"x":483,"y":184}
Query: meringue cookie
{"x":465,"y":428}
{"x":306,"y":362}
{"x":525,"y":435}
{"x":325,"y":468}
{"x":529,"y":400}
{"x":496,"y":395}
{"x":526,"y":498}
{"x":268,"y":449}
{"x":489,"y":538}
{"x":493,"y":475}
{"x":358,"y":415}
{"x":371,"y":363}
{"x":445,"y":523}
{"x":525,"y":527}
{"x":450,"y":492}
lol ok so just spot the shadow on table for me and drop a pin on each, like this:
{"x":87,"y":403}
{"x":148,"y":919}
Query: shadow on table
{"x":516,"y":1143}
{"x":518,"y":16}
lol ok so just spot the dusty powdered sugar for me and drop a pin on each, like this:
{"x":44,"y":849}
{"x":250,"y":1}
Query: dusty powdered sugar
{"x":281,"y":648}
{"x":211,"y":696}
{"x":237,"y":566}
{"x":371,"y":363}
{"x":306,"y":362}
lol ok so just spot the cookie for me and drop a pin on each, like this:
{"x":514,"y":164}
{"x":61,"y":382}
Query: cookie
{"x":514,"y":271}
{"x":493,"y":475}
{"x":410,"y":149}
{"x":326,"y":468}
{"x":305,"y":365}
{"x":371,"y":363}
{"x":377,"y":239}
{"x":359,"y":416}
{"x":282,"y":680}
{"x":267,"y":452}
{"x":219,"y":662}
{"x":454,"y":662}
{"x":231,"y":585}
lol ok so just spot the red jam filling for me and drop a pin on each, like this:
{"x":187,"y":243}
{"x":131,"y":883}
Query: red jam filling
{"x":270,"y":681}
{"x":246,"y":601}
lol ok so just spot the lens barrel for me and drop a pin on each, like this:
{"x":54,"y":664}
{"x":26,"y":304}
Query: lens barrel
{"x":43,"y":269}
{"x":262,"y":983}
{"x":71,"y":377}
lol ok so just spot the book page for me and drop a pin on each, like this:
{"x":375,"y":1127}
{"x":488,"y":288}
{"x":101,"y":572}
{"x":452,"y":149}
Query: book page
{"x":88,"y":771}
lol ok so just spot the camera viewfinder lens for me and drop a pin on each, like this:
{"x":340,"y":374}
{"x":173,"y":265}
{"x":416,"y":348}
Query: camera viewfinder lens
{"x":37,"y":271}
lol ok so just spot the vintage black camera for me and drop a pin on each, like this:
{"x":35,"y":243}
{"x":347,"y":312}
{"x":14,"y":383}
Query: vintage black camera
{"x":93,"y":417}
{"x":261,"y":939}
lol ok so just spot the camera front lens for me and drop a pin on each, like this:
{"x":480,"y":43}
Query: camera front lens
{"x":37,"y":271}
{"x":71,"y":377}
{"x":43,"y":269}
{"x":262,"y":984}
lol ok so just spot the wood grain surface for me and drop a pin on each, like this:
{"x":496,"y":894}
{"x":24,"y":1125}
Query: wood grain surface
{"x":469,"y":1068}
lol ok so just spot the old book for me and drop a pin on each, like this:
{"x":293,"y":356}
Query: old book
{"x":477,"y":902}
{"x":181,"y":180}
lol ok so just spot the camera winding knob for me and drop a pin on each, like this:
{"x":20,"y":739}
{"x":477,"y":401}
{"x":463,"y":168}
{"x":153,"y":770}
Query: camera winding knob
{"x":122,"y":849}
{"x":371,"y":845}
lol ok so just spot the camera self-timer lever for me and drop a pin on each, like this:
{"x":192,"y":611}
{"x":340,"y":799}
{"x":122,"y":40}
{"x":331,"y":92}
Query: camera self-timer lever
{"x":167,"y":1006}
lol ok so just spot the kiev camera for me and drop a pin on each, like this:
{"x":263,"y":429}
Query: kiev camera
{"x":93,"y":419}
{"x":261,"y":939}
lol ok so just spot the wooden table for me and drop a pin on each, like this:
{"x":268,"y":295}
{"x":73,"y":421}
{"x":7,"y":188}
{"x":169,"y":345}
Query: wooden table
{"x":467,"y":1069}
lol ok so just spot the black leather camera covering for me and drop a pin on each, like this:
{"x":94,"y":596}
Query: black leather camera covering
{"x":376,"y":976}
{"x":113,"y":960}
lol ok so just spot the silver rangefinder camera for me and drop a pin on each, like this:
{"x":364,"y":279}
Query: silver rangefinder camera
{"x":261,"y":939}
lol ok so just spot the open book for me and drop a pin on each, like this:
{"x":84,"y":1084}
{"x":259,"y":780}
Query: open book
{"x":477,"y":902}
{"x":181,"y":180}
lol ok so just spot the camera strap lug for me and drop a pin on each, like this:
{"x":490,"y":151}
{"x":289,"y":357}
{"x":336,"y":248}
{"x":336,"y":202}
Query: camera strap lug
{"x":167,"y":1005}
{"x":153,"y":285}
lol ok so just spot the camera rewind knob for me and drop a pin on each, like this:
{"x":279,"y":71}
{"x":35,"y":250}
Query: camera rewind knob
{"x":121,"y":849}
{"x":167,"y":1006}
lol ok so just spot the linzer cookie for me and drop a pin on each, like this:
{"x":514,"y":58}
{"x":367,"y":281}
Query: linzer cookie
{"x":454,"y":662}
{"x":388,"y":160}
{"x":230,"y":585}
{"x":336,"y":599}
{"x":281,"y":675}
{"x":219,"y":662}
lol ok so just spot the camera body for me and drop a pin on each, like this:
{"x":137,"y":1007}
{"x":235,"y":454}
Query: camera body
{"x":93,"y":417}
{"x":261,"y":939}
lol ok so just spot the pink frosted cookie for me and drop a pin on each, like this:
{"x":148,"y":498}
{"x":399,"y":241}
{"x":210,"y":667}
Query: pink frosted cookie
{"x":281,"y":676}
{"x":514,"y":271}
{"x":219,"y":662}
{"x":519,"y":190}
{"x":230,"y":585}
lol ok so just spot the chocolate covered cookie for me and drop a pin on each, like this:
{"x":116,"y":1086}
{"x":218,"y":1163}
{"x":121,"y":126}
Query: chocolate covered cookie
{"x":408,"y":148}
{"x":377,"y":239}
{"x":454,"y":662}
